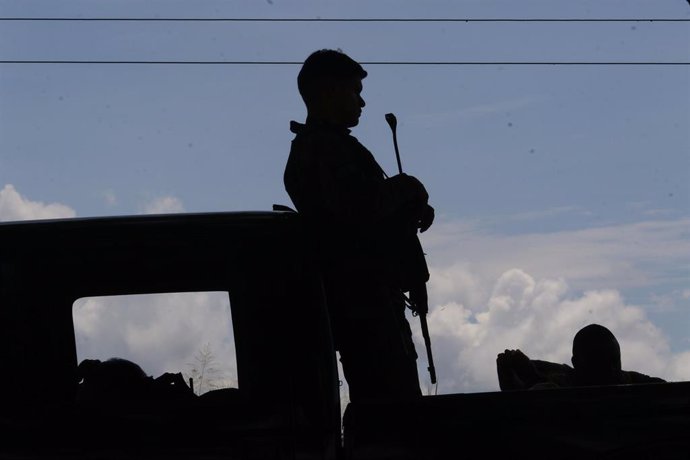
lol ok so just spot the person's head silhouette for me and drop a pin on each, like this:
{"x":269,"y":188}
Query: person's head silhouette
{"x":596,"y":356}
{"x":116,"y":379}
{"x":330,"y":84}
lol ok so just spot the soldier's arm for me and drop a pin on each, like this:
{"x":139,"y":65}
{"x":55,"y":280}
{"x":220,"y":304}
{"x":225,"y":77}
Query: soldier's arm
{"x":361,"y":198}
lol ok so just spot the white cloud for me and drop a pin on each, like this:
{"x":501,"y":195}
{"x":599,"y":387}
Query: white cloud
{"x":679,"y":367}
{"x":14,"y":206}
{"x":163,"y":205}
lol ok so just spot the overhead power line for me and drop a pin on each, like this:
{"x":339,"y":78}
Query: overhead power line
{"x":124,"y":19}
{"x":395,"y":63}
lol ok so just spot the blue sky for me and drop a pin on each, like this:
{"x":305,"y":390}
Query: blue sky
{"x":568,"y":174}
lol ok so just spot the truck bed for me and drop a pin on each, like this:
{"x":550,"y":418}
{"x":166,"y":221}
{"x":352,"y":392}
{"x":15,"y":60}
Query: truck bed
{"x":617,"y":422}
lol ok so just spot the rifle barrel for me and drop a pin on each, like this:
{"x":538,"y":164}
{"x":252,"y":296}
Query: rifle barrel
{"x":397,"y":151}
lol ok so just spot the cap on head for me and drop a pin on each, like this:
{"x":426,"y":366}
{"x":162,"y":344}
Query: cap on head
{"x":323,"y":67}
{"x":116,"y":379}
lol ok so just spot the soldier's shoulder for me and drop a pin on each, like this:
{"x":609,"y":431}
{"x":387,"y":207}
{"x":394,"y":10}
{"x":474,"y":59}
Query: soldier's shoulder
{"x":319,"y":142}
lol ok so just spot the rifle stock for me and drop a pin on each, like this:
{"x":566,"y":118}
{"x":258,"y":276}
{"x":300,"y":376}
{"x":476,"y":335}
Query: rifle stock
{"x":420,"y":300}
{"x":427,"y":344}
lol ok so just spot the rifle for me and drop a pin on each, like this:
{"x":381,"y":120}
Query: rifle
{"x":415,"y":282}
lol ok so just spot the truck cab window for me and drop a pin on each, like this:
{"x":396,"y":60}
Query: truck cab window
{"x":186,"y":335}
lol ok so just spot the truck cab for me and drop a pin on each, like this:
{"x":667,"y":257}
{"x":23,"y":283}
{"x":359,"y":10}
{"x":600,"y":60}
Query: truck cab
{"x":286,"y":404}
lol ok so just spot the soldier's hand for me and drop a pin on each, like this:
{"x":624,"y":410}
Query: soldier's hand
{"x":520,"y":362}
{"x":410,"y":189}
{"x":515,"y":370}
{"x":426,"y":219}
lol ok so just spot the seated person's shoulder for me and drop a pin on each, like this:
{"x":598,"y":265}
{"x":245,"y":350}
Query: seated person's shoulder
{"x":547,"y":367}
{"x":632,"y":377}
{"x":554,"y":374}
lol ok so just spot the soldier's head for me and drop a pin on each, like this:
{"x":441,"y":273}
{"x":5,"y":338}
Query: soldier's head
{"x":113,"y":380}
{"x":596,"y":356}
{"x":330,"y":84}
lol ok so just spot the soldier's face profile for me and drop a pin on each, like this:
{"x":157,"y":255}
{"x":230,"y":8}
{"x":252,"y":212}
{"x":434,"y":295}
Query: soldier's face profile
{"x":346,"y":102}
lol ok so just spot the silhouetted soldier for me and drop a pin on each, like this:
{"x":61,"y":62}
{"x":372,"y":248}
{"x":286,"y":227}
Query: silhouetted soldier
{"x":356,"y":217}
{"x":596,"y":361}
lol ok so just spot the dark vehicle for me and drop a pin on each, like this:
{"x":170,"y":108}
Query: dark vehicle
{"x":287,"y":403}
